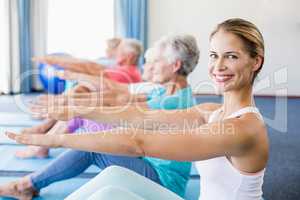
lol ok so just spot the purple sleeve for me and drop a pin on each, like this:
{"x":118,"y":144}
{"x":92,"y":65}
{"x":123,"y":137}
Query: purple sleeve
{"x":92,"y":126}
{"x":86,"y":125}
{"x":74,"y":124}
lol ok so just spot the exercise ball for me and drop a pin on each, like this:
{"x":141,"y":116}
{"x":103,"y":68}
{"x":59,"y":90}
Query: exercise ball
{"x":50,"y":82}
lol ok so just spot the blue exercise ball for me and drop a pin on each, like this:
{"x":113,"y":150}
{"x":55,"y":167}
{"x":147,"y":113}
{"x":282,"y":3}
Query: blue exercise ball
{"x":50,"y":82}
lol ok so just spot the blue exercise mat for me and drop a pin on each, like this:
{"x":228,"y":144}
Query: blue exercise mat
{"x":17,"y":119}
{"x":8,"y":162}
{"x":56,"y":191}
{"x":60,"y":190}
{"x":16,"y":103}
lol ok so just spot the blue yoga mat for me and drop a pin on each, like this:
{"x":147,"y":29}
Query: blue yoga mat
{"x":8,"y":162}
{"x":60,"y":190}
{"x":56,"y":191}
{"x":17,"y":119}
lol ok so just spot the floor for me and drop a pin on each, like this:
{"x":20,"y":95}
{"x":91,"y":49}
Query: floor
{"x":282,"y":178}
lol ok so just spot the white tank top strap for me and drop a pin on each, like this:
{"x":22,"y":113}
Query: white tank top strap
{"x":248,"y":109}
{"x":214,"y":114}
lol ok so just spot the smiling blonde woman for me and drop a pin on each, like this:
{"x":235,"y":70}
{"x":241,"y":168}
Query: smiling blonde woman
{"x":230,"y":145}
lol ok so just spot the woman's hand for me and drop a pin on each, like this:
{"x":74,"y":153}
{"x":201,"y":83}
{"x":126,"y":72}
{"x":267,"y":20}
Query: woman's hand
{"x":36,"y":139}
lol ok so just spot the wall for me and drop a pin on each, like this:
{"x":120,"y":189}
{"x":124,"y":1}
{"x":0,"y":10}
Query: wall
{"x":278,"y":20}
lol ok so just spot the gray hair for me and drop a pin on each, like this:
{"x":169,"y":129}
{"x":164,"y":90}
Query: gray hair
{"x":132,"y":46}
{"x":150,"y":54}
{"x":180,"y":47}
{"x":113,"y":43}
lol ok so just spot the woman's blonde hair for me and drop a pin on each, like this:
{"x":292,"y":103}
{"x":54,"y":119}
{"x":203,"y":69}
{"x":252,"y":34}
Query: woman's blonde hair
{"x":249,"y":34}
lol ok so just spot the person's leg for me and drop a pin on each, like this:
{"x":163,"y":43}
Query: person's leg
{"x":73,"y":163}
{"x":21,"y":189}
{"x":136,"y":164}
{"x":42,"y":152}
{"x":67,"y":165}
{"x":114,"y":193}
{"x":123,"y":178}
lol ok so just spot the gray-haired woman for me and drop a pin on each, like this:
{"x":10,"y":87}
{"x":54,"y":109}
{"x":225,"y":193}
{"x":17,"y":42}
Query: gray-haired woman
{"x":174,"y":58}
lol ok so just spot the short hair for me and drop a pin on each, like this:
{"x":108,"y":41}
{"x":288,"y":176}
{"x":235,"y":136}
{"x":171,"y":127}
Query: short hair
{"x":132,"y":46}
{"x":113,"y":43}
{"x":181,"y":47}
{"x":150,"y":54}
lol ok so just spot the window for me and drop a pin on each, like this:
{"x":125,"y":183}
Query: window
{"x":4,"y":47}
{"x":79,"y":27}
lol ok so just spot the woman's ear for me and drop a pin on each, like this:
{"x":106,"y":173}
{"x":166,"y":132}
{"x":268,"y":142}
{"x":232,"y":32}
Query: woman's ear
{"x":177,"y":65}
{"x":258,"y":61}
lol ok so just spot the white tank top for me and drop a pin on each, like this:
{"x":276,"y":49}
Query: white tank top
{"x":220,"y":180}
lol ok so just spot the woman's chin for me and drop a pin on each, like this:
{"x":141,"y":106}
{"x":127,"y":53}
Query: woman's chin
{"x":223,"y":88}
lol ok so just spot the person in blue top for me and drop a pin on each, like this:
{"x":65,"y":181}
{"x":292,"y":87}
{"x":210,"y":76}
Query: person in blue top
{"x":173,"y":58}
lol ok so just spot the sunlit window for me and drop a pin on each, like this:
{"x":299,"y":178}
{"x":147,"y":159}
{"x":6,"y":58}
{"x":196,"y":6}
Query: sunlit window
{"x":4,"y":46}
{"x":79,"y":27}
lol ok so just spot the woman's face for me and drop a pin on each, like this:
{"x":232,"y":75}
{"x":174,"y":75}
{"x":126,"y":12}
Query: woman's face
{"x":121,"y":56}
{"x":148,"y":71}
{"x":163,"y":71}
{"x":230,"y":66}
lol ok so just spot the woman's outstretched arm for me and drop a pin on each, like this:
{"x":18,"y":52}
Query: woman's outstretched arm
{"x":232,"y":137}
{"x":138,"y":116}
{"x":73,"y":64}
{"x":93,"y":99}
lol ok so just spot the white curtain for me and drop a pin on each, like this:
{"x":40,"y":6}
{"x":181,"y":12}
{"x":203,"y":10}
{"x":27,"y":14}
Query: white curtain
{"x":39,"y":24}
{"x":4,"y":41}
{"x":10,"y":62}
{"x":10,"y":67}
